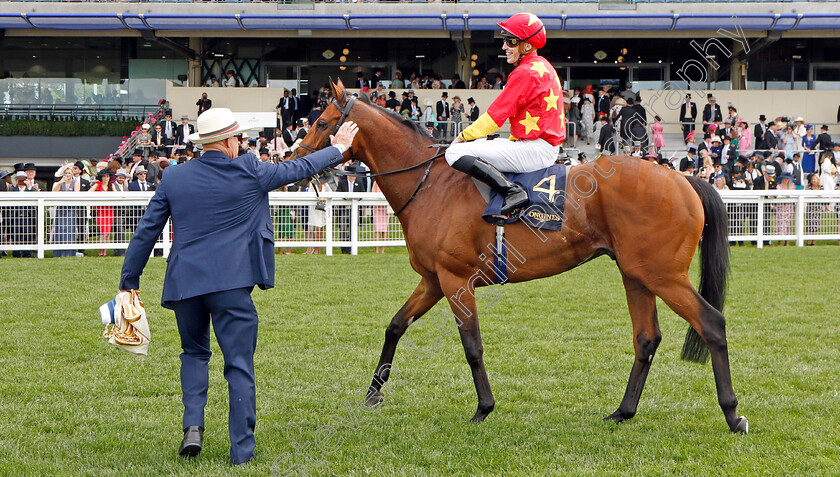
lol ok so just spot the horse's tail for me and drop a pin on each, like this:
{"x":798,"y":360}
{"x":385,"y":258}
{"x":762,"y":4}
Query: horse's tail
{"x":714,"y":263}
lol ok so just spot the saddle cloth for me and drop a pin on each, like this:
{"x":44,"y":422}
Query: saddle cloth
{"x":546,"y":191}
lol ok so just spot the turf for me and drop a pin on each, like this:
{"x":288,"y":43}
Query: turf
{"x":558,"y":352}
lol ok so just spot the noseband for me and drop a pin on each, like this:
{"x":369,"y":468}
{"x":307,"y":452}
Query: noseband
{"x":344,"y":112}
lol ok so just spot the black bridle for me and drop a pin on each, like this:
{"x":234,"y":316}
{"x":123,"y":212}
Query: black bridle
{"x":344,"y":112}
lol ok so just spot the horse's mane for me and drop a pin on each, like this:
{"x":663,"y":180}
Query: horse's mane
{"x":417,"y":128}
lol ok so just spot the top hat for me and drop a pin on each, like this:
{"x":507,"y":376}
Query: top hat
{"x":688,"y":96}
{"x":824,"y":127}
{"x":470,"y":100}
{"x":445,"y":94}
{"x":185,"y":116}
{"x":215,"y":125}
{"x":19,"y":167}
{"x":29,"y":166}
{"x":762,"y":117}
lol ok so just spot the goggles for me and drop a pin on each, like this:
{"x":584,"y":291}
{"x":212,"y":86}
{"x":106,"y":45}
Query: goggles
{"x":514,"y":41}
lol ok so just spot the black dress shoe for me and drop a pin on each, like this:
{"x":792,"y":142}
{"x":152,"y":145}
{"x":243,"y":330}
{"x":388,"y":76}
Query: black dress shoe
{"x":191,"y":445}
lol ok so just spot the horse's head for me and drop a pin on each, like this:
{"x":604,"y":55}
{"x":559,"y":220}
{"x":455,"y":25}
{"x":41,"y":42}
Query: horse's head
{"x":339,"y":111}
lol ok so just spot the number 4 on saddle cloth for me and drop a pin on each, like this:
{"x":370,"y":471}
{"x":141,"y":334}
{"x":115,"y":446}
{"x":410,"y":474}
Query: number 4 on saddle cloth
{"x":546,"y":191}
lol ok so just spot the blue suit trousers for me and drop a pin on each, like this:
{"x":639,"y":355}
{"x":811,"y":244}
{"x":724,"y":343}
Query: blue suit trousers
{"x":235,"y":325}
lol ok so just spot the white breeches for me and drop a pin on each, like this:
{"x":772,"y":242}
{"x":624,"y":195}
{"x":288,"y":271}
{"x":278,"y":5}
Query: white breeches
{"x":506,"y":155}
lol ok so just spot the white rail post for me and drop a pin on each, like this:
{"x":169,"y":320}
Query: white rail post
{"x":167,"y":244}
{"x":760,"y":224}
{"x":41,"y":222}
{"x":354,"y":226}
{"x":800,"y":221}
{"x":328,"y":229}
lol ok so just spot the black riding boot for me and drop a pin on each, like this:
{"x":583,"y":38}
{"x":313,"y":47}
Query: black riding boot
{"x":515,"y":195}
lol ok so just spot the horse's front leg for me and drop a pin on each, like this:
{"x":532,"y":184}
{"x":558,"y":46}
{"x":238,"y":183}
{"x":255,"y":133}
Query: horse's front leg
{"x":462,"y":301}
{"x":422,"y":300}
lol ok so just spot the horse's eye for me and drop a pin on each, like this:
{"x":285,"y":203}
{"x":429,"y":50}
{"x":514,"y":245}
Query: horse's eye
{"x":322,"y":125}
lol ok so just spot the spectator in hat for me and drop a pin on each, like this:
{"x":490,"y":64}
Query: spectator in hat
{"x":658,"y":136}
{"x":711,"y":113}
{"x":789,"y":141}
{"x":220,"y":207}
{"x":717,"y":147}
{"x":5,"y":183}
{"x":104,"y":213}
{"x":30,"y":170}
{"x":809,"y":143}
{"x":348,"y":183}
{"x":688,"y":164}
{"x":719,"y":182}
{"x":136,"y":160}
{"x":474,"y":111}
{"x":140,"y":185}
{"x":457,"y":82}
{"x":443,"y":114}
{"x":771,"y":140}
{"x":169,"y":126}
{"x":232,"y":80}
{"x":65,"y":227}
{"x":144,"y":140}
{"x":823,"y":140}
{"x":706,"y":145}
{"x":770,"y":176}
{"x":637,"y":150}
{"x":391,"y":103}
{"x":760,"y":133}
{"x":606,"y":139}
{"x":182,"y":133}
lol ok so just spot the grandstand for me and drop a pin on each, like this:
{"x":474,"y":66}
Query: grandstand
{"x":67,"y":60}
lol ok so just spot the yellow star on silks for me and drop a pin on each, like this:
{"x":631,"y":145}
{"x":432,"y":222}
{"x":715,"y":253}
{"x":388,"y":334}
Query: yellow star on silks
{"x":530,"y":123}
{"x":539,"y":67}
{"x":551,"y":100}
{"x":532,"y":18}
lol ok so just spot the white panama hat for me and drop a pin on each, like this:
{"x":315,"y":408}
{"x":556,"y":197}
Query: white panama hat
{"x":214,"y":125}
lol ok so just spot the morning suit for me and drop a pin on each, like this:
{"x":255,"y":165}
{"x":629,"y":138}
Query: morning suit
{"x":759,"y":134}
{"x":222,"y":247}
{"x":688,"y":116}
{"x":606,"y":140}
{"x":823,"y":144}
{"x":711,"y":115}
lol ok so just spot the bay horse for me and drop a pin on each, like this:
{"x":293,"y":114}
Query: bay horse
{"x":647,"y":218}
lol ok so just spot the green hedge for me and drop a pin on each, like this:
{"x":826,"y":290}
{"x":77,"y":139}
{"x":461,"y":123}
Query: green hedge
{"x":29,"y":127}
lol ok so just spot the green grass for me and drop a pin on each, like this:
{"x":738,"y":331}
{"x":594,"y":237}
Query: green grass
{"x":558,"y":352}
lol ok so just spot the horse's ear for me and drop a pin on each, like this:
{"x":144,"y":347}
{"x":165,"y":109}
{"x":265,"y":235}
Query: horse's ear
{"x":338,"y":92}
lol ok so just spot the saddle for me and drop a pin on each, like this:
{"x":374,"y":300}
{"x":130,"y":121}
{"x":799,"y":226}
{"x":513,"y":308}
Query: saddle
{"x":546,"y":190}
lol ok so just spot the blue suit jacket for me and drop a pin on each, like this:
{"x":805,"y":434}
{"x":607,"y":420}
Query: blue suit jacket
{"x":224,"y":237}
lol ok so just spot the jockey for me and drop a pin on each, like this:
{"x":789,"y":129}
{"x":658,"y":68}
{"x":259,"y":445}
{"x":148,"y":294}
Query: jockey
{"x":533,"y":102}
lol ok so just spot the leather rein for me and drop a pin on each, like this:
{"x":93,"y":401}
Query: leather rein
{"x":344,"y":112}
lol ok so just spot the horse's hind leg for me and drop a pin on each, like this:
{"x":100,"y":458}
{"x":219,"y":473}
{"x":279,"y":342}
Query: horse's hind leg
{"x":711,"y":326}
{"x":646,"y":338}
{"x":421,"y":300}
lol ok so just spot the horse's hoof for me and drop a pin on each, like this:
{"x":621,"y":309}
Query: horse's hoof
{"x":479,"y":417}
{"x":617,"y":416}
{"x":742,"y":426}
{"x":374,"y":399}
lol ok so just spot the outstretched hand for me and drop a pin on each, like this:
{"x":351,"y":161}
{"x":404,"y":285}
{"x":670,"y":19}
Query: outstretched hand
{"x":345,"y":134}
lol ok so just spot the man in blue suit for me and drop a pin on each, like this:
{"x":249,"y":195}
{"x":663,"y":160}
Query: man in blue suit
{"x":223,"y":246}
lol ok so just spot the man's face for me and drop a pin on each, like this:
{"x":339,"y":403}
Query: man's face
{"x":158,"y":129}
{"x":76,"y":171}
{"x":185,"y":121}
{"x":141,"y":176}
{"x":511,"y":52}
{"x":169,"y":117}
{"x":136,"y":158}
{"x":121,"y":179}
{"x":203,"y":95}
{"x":30,"y":174}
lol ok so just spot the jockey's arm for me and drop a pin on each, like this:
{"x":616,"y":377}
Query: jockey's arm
{"x":483,"y":126}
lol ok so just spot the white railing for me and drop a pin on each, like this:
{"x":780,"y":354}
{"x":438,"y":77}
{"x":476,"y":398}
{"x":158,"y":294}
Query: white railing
{"x":62,"y":221}
{"x":798,"y":215}
{"x":67,"y":221}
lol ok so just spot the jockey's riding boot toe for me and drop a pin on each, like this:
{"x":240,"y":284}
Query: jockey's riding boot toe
{"x":191,"y":445}
{"x":516,"y":198}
